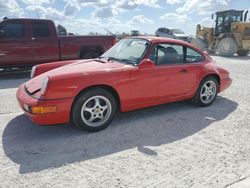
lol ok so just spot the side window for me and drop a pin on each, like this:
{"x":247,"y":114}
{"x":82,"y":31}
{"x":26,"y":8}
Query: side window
{"x":40,"y":30}
{"x":193,"y":56}
{"x":163,"y":54}
{"x":161,"y":29}
{"x":12,"y":30}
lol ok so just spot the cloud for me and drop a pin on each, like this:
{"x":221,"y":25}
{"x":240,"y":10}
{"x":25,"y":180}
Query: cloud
{"x":172,"y":2}
{"x":206,"y":22}
{"x":36,"y":2}
{"x":49,"y":13}
{"x":178,"y":18}
{"x":104,"y":12}
{"x":96,"y":3}
{"x":10,"y":8}
{"x":71,"y":8}
{"x":203,"y":6}
{"x":75,"y":25}
{"x":140,"y":19}
{"x":129,"y":4}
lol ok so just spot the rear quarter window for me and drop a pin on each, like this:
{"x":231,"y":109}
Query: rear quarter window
{"x":192,"y":56}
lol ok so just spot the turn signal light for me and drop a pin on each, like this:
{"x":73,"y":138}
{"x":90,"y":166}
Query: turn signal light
{"x":43,"y":109}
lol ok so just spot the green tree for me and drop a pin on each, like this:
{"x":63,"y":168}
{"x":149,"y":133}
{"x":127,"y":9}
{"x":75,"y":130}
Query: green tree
{"x":61,"y":30}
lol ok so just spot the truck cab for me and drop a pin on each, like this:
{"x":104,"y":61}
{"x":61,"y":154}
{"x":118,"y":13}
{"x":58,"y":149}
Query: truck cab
{"x":27,"y":42}
{"x":224,"y":20}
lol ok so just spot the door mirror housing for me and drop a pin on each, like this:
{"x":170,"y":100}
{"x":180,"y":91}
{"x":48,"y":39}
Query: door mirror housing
{"x":146,"y":63}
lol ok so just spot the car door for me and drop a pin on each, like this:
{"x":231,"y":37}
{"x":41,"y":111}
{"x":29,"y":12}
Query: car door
{"x":45,"y":45}
{"x":170,"y":78}
{"x":175,"y":79}
{"x":14,"y":44}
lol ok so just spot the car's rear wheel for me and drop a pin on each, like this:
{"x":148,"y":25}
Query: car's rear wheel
{"x":207,"y":92}
{"x":94,"y":110}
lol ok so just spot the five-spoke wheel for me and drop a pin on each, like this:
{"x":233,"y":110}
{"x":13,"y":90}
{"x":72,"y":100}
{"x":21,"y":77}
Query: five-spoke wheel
{"x":207,"y":92}
{"x":94,"y":109}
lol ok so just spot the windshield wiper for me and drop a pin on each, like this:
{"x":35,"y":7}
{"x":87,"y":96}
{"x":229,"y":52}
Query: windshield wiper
{"x":113,"y":58}
{"x":129,"y":61}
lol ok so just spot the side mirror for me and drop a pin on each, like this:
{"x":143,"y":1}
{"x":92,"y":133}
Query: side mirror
{"x":146,"y":63}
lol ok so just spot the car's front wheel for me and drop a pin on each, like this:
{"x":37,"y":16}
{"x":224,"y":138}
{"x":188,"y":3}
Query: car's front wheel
{"x":94,"y":110}
{"x":207,"y":92}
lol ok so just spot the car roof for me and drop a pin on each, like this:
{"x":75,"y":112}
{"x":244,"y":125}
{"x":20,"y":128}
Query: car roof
{"x":154,"y":39}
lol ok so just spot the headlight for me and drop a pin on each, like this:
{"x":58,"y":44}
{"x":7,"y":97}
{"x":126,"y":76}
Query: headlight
{"x":44,"y":85}
{"x":33,"y":70}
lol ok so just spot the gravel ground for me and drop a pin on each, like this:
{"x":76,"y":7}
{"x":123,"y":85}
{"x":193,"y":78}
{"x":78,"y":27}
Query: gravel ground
{"x":174,"y":145}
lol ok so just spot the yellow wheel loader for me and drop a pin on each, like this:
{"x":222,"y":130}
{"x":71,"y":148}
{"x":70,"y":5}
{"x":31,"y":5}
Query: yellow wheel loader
{"x":230,"y":35}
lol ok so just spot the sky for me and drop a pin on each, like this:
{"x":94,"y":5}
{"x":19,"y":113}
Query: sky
{"x":84,"y":16}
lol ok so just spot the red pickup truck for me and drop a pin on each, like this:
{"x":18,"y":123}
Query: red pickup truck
{"x":26,"y":42}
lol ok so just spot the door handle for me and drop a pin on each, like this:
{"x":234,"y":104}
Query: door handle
{"x":183,"y":70}
{"x":2,"y":55}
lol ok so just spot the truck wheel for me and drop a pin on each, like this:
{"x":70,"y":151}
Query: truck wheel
{"x":90,"y":55}
{"x":227,"y":47}
{"x":199,"y":43}
{"x":94,"y":110}
{"x":243,"y":53}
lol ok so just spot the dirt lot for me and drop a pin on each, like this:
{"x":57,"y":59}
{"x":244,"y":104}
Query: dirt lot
{"x":175,"y":145}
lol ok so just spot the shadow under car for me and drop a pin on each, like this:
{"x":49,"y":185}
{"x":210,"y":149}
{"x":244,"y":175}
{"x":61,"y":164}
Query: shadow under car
{"x":37,"y":148}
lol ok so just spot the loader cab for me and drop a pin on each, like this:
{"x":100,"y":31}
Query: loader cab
{"x":225,"y":18}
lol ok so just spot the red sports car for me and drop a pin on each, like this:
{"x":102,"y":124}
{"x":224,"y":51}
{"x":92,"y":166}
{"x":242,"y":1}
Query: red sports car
{"x":135,"y":73}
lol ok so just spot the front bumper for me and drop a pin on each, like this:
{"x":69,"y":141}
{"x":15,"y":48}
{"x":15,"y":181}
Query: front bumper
{"x":225,"y":83}
{"x":62,"y":114}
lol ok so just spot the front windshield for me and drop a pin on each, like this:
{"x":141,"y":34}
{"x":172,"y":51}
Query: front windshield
{"x":177,"y":31}
{"x":128,"y":50}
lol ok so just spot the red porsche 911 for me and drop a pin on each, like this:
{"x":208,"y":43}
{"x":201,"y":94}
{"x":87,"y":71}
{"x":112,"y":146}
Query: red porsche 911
{"x":135,"y":73}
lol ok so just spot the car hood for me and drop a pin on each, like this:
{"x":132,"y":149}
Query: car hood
{"x":81,"y":67}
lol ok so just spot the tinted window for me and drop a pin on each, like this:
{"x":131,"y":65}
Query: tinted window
{"x":40,"y":30}
{"x":161,"y":29}
{"x":167,"y":54}
{"x":12,"y":30}
{"x":193,"y":56}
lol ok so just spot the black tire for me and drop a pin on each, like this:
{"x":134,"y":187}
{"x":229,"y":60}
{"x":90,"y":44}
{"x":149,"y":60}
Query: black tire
{"x":211,"y":52}
{"x":227,"y":47}
{"x":90,"y":55}
{"x":243,"y":53}
{"x":80,"y":116}
{"x":198,"y":99}
{"x":199,"y":43}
